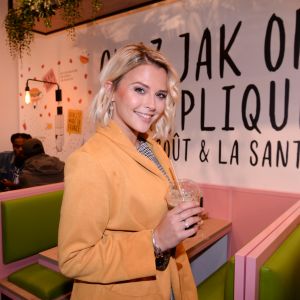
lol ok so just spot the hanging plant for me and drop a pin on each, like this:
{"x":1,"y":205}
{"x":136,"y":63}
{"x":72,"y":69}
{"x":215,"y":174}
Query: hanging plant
{"x":19,"y":21}
{"x":70,"y":14}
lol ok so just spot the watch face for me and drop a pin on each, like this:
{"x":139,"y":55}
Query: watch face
{"x":162,"y":261}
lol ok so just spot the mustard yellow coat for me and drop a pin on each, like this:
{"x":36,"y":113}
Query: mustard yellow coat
{"x":113,"y":197}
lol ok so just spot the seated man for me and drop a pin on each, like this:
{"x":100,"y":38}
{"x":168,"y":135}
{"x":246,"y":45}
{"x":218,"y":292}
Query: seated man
{"x":12,"y":162}
{"x":39,"y":168}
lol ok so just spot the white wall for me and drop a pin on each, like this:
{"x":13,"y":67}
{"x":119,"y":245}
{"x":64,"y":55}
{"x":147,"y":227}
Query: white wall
{"x":9,"y":88}
{"x":243,"y":148}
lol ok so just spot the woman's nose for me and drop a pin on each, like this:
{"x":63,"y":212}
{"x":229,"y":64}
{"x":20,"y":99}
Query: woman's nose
{"x":150,"y":102}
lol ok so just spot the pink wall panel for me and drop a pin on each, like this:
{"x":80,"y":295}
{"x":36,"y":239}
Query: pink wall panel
{"x":250,"y":210}
{"x":217,"y":201}
{"x":253,"y":210}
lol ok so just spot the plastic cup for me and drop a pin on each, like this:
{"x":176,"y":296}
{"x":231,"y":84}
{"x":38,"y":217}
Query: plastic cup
{"x":175,"y":196}
{"x":189,"y":191}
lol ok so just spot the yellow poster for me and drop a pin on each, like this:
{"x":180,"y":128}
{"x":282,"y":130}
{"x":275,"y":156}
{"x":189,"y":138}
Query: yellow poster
{"x":74,"y":121}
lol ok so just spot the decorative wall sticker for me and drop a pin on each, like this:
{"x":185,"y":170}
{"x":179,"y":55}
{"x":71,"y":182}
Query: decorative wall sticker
{"x":74,"y":121}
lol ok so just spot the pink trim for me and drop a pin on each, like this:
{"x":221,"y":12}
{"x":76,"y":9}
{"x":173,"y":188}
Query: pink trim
{"x":31,"y":191}
{"x":243,"y":254}
{"x":9,"y":294}
{"x":256,"y":258}
{"x":9,"y":268}
{"x":49,"y":258}
{"x":49,"y":264}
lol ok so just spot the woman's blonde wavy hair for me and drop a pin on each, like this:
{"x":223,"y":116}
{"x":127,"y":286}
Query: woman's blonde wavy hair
{"x":124,"y":60}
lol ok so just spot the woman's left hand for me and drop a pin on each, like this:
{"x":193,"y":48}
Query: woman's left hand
{"x":178,"y":224}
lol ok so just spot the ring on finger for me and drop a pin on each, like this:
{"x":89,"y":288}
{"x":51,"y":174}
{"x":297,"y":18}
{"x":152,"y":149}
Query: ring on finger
{"x":186,"y":225}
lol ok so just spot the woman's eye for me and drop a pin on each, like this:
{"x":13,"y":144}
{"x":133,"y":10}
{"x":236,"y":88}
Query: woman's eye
{"x":139,"y":90}
{"x":162,"y":95}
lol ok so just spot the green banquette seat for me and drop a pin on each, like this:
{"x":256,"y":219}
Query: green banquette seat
{"x":280,"y":275}
{"x":29,"y":226}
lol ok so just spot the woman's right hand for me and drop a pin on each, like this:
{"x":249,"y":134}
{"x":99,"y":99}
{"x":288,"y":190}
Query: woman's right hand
{"x":172,"y":229}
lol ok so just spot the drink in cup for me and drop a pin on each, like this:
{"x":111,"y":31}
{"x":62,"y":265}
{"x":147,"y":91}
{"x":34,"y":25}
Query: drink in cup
{"x":187,"y":191}
{"x":175,"y":196}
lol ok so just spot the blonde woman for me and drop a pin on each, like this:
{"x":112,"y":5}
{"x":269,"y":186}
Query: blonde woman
{"x":117,"y":238}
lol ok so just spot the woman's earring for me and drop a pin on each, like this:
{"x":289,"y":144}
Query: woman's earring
{"x":111,"y":109}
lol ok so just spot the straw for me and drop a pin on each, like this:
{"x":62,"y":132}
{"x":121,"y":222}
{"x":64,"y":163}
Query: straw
{"x":175,"y":179}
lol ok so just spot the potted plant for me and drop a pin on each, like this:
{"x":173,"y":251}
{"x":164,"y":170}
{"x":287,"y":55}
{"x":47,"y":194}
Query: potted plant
{"x":20,"y":20}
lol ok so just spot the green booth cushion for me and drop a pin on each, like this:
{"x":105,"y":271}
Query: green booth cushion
{"x":30,"y":225}
{"x":219,"y":285}
{"x":41,"y":281}
{"x":280,"y":274}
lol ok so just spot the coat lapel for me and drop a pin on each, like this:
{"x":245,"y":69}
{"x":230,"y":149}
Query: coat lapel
{"x":113,"y":132}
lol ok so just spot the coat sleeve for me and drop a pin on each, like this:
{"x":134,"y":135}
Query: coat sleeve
{"x":86,"y":251}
